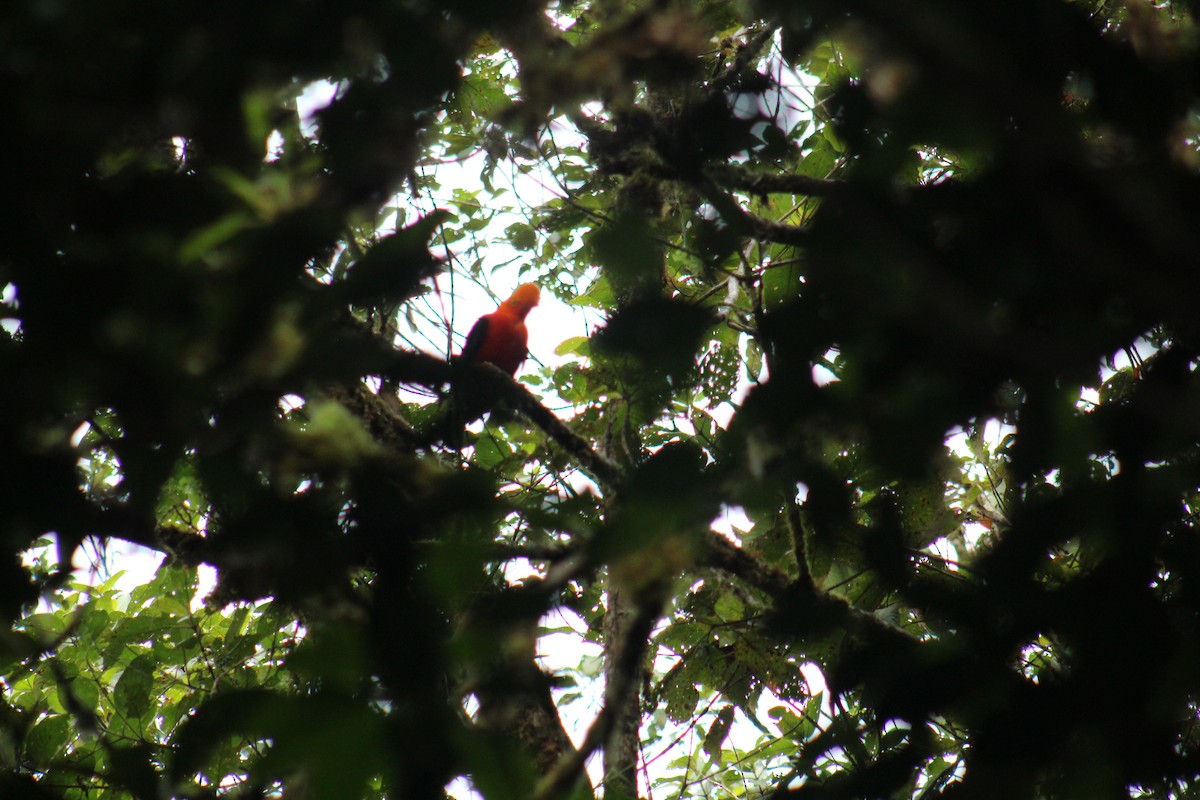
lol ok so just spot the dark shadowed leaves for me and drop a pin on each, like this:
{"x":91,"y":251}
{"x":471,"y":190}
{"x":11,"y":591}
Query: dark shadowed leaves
{"x":329,"y":742}
{"x":661,"y":335}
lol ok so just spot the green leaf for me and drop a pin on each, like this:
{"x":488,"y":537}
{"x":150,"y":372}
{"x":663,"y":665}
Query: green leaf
{"x":521,"y":236}
{"x":754,"y":360}
{"x":729,"y":607}
{"x":682,"y":698}
{"x":781,"y":283}
{"x":789,"y":723}
{"x":599,"y":295}
{"x":714,"y":739}
{"x":133,"y":696}
{"x":924,"y":512}
{"x":85,"y":691}
{"x":44,"y":626}
{"x":204,"y":242}
{"x":573,"y":344}
{"x":627,"y":252}
{"x":47,"y":739}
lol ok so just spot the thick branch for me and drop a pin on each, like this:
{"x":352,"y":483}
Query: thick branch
{"x":622,"y":682}
{"x":725,"y":555}
{"x":515,"y":702}
{"x":800,"y":599}
{"x":496,"y":382}
{"x":407,"y":366}
{"x":383,"y":417}
{"x":736,"y":176}
{"x":746,"y":224}
{"x":769,"y":230}
{"x":795,"y":526}
{"x":743,"y":62}
{"x":621,"y":694}
{"x":381,"y":413}
{"x":502,"y":551}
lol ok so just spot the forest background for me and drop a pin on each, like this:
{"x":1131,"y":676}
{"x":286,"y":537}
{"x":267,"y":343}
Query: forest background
{"x":907,"y":290}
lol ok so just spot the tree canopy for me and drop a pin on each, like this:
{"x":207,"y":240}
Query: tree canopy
{"x":907,"y":291}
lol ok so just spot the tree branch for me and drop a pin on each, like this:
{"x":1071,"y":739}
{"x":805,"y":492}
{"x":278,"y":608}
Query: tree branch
{"x":725,"y":555}
{"x":770,"y":230}
{"x":496,"y":382}
{"x":799,"y":599}
{"x":515,"y":702}
{"x":623,"y":681}
{"x":381,"y":413}
{"x":407,"y":366}
{"x":503,"y":551}
{"x":746,"y":224}
{"x":736,"y":176}
{"x":747,"y":52}
{"x":795,"y":526}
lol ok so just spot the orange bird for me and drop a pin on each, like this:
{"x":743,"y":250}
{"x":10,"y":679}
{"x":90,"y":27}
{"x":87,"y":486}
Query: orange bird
{"x":500,"y":337}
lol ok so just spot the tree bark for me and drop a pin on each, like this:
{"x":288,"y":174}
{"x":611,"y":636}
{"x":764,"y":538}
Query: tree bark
{"x":621,"y":750}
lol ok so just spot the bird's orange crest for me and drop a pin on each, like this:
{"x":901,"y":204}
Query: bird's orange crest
{"x":524,"y":298}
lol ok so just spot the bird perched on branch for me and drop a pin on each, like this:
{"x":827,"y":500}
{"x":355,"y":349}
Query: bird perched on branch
{"x":499,"y":338}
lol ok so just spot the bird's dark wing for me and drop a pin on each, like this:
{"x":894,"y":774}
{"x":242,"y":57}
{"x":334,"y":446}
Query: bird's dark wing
{"x":475,"y":340}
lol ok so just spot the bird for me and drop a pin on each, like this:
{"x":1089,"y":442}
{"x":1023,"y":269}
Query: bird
{"x":501,"y":338}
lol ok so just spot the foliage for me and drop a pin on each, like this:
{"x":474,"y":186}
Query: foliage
{"x":904,"y":291}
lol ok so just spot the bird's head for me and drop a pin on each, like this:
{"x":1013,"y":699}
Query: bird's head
{"x":524,"y":298}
